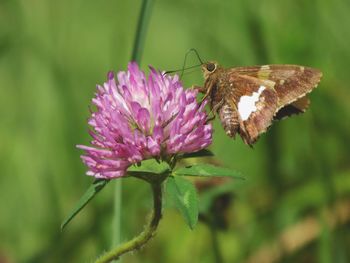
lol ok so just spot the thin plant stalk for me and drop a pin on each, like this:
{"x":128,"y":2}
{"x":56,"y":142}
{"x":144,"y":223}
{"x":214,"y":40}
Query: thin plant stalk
{"x":141,"y":30}
{"x":117,"y":213}
{"x":145,"y":14}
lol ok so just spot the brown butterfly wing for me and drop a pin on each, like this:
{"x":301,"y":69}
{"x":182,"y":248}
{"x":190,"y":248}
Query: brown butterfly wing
{"x":286,"y":87}
{"x":292,"y":81}
{"x":296,"y":107}
{"x":233,"y":113}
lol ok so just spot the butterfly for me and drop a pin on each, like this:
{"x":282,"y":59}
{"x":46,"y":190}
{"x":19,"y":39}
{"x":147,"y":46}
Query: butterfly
{"x":249,"y":99}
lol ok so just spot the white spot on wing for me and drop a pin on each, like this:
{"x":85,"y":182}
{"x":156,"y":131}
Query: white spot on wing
{"x":246,"y":104}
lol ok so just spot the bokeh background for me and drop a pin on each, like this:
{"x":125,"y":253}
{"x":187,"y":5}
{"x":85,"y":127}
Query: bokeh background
{"x":294,"y":205}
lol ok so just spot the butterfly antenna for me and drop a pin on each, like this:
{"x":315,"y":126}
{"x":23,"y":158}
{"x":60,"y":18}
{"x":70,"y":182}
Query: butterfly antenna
{"x":187,"y":53}
{"x":197,"y":54}
{"x":184,"y":64}
{"x":178,"y":70}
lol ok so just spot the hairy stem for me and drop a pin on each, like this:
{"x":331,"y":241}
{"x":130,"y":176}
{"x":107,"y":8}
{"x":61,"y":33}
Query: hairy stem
{"x":149,"y":231}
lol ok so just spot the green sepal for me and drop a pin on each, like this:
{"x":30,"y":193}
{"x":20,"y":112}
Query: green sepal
{"x":150,"y":170}
{"x":201,"y":153}
{"x":150,"y":166}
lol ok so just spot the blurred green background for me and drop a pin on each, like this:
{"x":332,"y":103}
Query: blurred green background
{"x":294,"y":205}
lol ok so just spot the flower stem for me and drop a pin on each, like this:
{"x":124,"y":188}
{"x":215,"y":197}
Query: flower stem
{"x":117,"y":213}
{"x":149,"y":231}
{"x":140,"y":36}
{"x":142,"y":25}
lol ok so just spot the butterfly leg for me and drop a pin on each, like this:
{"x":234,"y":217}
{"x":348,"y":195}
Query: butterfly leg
{"x":210,"y":118}
{"x":202,"y":90}
{"x":213,"y":110}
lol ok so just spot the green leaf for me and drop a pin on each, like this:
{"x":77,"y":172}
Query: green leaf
{"x":183,"y":194}
{"x":94,"y":188}
{"x":207,"y":170}
{"x":201,"y":153}
{"x":150,"y":166}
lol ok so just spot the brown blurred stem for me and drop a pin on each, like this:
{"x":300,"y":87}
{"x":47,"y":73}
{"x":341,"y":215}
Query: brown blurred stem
{"x":302,"y":233}
{"x":149,"y":231}
{"x":215,"y":242}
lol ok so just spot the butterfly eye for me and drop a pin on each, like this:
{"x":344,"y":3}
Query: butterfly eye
{"x":210,"y":67}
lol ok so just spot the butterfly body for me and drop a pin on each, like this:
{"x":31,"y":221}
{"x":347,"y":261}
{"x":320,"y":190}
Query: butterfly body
{"x":248,"y":99}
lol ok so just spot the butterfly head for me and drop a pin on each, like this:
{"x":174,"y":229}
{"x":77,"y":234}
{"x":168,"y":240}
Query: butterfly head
{"x":209,"y":68}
